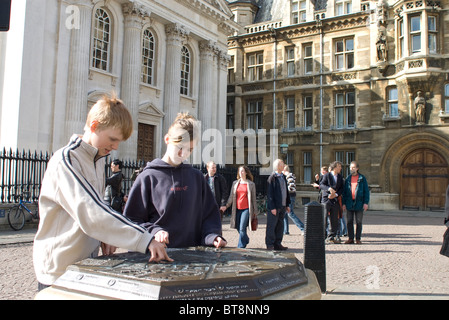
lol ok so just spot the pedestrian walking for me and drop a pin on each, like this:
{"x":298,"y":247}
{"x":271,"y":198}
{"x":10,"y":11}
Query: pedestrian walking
{"x":318,"y":178}
{"x":242,"y":198}
{"x":278,"y":201}
{"x":332,"y":188}
{"x":74,"y":218}
{"x":291,"y":185}
{"x":356,"y":197}
{"x":218,"y":186}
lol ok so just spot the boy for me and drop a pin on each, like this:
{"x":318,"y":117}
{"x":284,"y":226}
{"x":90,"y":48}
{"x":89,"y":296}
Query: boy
{"x":73,"y":216}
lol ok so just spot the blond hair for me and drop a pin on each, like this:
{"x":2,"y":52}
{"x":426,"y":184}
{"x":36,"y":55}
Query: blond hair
{"x":111,"y":112}
{"x":184,"y":128}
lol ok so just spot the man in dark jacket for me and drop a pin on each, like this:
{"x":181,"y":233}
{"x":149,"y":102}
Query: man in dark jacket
{"x":332,"y":188}
{"x":355,"y":201}
{"x":278,"y":201}
{"x":113,"y":193}
{"x":217,"y":184}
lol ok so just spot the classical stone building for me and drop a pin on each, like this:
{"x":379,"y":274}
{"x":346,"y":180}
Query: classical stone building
{"x":349,"y":80}
{"x":161,"y":57}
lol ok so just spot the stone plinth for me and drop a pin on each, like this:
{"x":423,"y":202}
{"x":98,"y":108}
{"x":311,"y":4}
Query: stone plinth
{"x":197,"y":273}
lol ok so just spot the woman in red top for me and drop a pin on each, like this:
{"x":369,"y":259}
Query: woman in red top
{"x":243,"y":201}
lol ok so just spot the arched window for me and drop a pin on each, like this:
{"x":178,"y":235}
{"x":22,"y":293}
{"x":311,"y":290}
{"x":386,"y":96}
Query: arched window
{"x":185,"y":70}
{"x":148,"y":57}
{"x":101,"y":46}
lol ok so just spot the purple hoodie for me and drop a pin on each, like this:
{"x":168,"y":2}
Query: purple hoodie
{"x":177,"y":200}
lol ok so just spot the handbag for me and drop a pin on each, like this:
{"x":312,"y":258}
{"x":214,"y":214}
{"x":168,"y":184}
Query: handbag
{"x":254,"y":223}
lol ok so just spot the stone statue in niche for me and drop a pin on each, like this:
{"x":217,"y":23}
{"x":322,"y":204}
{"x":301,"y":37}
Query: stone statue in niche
{"x":381,"y":45}
{"x":420,"y":107}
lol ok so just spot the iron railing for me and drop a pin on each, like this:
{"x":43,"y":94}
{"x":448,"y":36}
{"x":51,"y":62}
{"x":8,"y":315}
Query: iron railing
{"x":21,"y":174}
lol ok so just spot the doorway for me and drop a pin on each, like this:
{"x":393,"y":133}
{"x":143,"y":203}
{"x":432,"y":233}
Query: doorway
{"x":424,"y":179}
{"x":145,"y":142}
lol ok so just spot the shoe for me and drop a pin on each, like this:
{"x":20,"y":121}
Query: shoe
{"x":330,"y":240}
{"x":280,"y":248}
{"x":270,"y":248}
{"x":349,"y":241}
{"x":337,"y":240}
{"x":358,"y":241}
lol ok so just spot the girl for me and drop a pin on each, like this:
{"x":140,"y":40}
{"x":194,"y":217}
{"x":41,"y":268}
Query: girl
{"x":171,"y":199}
{"x":243,"y":201}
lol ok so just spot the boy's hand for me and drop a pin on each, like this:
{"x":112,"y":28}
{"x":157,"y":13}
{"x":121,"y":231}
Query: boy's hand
{"x":158,"y":252}
{"x":107,"y":249}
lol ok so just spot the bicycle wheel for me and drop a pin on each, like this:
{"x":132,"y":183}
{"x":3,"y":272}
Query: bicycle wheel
{"x":16,"y":218}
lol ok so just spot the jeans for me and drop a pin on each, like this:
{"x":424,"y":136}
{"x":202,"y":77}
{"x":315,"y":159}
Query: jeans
{"x":343,"y":229}
{"x":275,"y":228}
{"x":292,"y":216}
{"x":241,"y":222}
{"x":358,"y":220}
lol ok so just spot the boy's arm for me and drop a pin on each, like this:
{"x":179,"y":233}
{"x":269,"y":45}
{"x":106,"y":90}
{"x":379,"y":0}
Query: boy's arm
{"x":137,"y":208}
{"x":85,"y":205}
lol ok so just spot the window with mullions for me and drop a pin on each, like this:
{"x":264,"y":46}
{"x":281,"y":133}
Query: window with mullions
{"x":298,"y":11}
{"x":307,"y":165}
{"x":446,"y":98}
{"x":255,"y":66}
{"x":185,"y":70}
{"x":393,"y":110}
{"x":345,"y":110}
{"x":147,"y":57}
{"x":101,"y":40}
{"x":343,"y":7}
{"x":401,"y":38}
{"x":290,"y":59}
{"x":432,"y":29}
{"x":254,"y":115}
{"x":415,"y":33}
{"x":345,"y":157}
{"x":344,"y":54}
{"x":290,"y":111}
{"x":308,"y":59}
{"x":308,"y":112}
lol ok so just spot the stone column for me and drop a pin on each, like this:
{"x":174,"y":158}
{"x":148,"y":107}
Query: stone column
{"x":78,"y":71}
{"x":206,"y":84}
{"x":131,"y":70}
{"x":176,"y":35}
{"x":223,"y":61}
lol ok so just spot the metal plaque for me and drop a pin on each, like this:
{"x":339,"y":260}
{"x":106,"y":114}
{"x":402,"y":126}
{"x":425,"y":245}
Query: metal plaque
{"x":200,"y":273}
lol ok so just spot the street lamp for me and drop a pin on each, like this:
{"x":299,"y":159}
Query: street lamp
{"x":284,"y":148}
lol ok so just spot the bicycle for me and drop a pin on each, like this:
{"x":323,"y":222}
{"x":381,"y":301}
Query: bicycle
{"x":16,"y":215}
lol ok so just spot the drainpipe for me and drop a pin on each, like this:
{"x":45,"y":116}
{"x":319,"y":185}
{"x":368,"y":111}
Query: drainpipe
{"x":320,"y":26}
{"x":273,"y":33}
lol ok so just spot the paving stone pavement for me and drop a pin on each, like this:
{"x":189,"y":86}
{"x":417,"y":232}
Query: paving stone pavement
{"x":398,"y":259}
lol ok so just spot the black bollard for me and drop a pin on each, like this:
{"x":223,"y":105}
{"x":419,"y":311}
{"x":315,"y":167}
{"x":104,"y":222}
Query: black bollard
{"x":314,"y":247}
